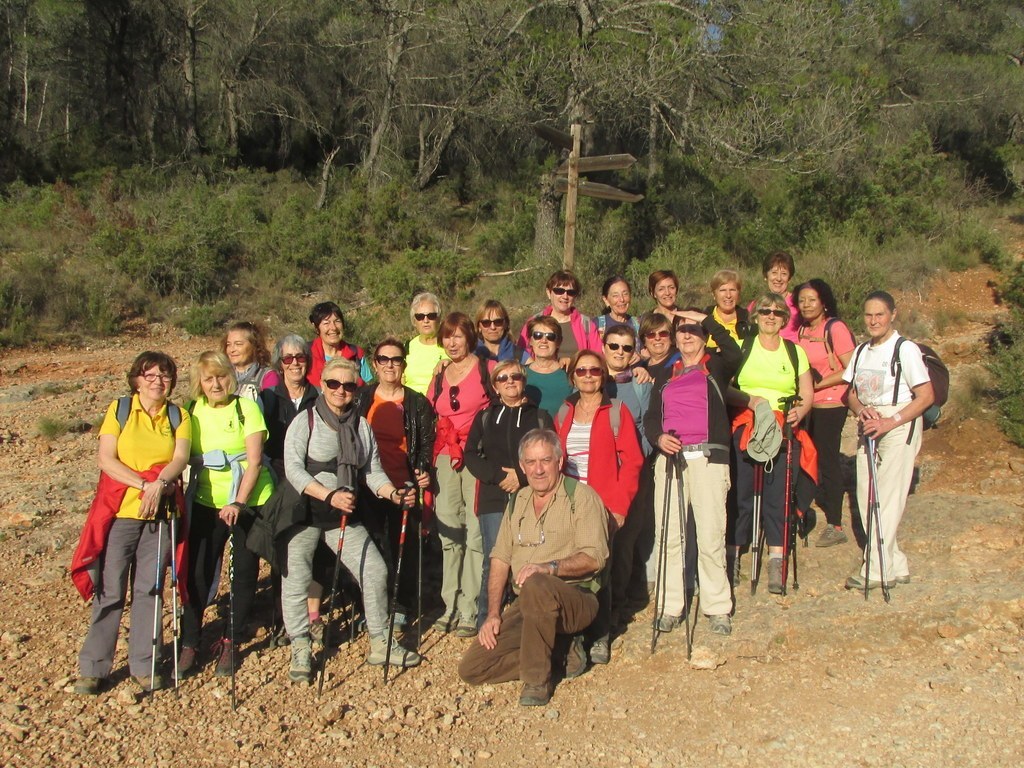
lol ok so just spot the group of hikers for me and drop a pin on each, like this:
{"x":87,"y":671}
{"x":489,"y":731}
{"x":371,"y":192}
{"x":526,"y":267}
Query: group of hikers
{"x":572,"y":473}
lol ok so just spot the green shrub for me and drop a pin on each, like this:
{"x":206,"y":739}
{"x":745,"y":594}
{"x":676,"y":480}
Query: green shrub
{"x":1007,"y":367}
{"x":51,"y":428}
{"x":205,"y":319}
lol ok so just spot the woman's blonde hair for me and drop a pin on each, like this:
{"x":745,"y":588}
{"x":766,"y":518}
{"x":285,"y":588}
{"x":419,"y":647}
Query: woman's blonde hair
{"x":214,"y":362}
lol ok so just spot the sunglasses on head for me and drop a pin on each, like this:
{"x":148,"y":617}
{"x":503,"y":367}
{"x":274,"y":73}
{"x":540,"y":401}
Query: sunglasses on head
{"x":656,"y":335}
{"x":779,"y":313}
{"x":348,"y":386}
{"x":565,"y":291}
{"x":616,"y":347}
{"x":501,"y":378}
{"x":289,"y":359}
{"x":591,"y":370}
{"x":498,"y":322}
{"x":538,"y":335}
{"x":421,"y":316}
{"x":385,"y":360}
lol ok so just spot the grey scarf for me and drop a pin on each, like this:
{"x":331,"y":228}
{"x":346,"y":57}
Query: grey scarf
{"x":346,"y":427}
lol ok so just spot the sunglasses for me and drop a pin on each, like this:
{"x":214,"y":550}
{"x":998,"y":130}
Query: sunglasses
{"x":565,"y":292}
{"x":385,"y":360}
{"x":656,"y":335}
{"x":538,"y":335}
{"x":592,"y":370}
{"x":498,"y":322}
{"x":501,"y":378}
{"x":616,"y":347}
{"x":349,"y":386}
{"x":421,"y":316}
{"x":453,"y":398}
{"x":289,"y":359}
{"x":779,"y":313}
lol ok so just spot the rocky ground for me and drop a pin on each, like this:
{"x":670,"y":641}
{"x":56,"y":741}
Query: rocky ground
{"x":819,"y":677}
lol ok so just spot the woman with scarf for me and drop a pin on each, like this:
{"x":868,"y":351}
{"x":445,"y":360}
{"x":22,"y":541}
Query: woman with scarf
{"x":331,"y":458}
{"x":329,"y":325}
{"x":245,"y":345}
{"x":494,"y":332}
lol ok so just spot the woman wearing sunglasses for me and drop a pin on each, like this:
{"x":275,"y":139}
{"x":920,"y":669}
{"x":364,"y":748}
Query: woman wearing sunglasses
{"x":492,"y":455}
{"x":329,"y":326}
{"x":547,"y":385}
{"x":423,"y":352}
{"x":494,"y":332}
{"x":778,"y":269}
{"x":661,"y":354}
{"x":403,"y":425}
{"x":578,"y":330}
{"x":245,"y":345}
{"x":601,"y":451}
{"x":460,"y":391}
{"x":771,"y":370}
{"x":332,"y":463}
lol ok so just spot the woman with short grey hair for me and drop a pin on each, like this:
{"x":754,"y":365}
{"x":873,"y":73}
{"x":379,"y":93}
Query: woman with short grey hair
{"x":423,"y":352}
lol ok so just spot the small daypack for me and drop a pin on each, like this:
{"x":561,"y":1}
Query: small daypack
{"x":938,"y":373}
{"x":124,"y":407}
{"x":748,"y":347}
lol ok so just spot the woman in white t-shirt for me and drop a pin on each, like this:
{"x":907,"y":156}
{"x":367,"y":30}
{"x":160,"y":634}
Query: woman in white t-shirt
{"x":887,"y":397}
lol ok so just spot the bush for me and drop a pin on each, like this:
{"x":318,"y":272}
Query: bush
{"x":52,"y":428}
{"x":1008,"y":369}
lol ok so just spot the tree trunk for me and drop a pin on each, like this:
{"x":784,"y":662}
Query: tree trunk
{"x":325,"y":178}
{"x":432,"y":158}
{"x":191,"y":141}
{"x":397,"y":32}
{"x":547,"y":240}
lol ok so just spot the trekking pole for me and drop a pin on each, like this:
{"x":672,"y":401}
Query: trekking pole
{"x":788,"y":526}
{"x":873,"y":515}
{"x":231,"y":610}
{"x":172,"y":525}
{"x":662,"y":552}
{"x":421,"y":500}
{"x":757,"y":532}
{"x":398,"y":574}
{"x":158,"y":605}
{"x":683,"y":522}
{"x":334,"y":598}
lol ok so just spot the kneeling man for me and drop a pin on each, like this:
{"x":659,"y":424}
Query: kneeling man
{"x":553,"y":540}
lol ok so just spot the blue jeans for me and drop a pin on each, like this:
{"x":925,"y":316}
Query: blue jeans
{"x":490,"y":522}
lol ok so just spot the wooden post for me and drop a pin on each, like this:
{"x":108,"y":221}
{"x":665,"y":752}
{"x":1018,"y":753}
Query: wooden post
{"x":568,"y":256}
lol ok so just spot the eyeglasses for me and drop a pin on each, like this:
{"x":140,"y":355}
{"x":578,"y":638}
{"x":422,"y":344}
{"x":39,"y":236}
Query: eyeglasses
{"x":565,"y":292}
{"x":779,"y":313}
{"x":385,"y":360}
{"x":538,"y":335}
{"x":501,"y":378}
{"x":519,"y":534}
{"x":591,"y":370}
{"x":289,"y":359}
{"x":453,"y":397}
{"x":498,"y":322}
{"x":656,"y":335}
{"x":421,"y":316}
{"x":349,"y":386}
{"x":616,"y":347}
{"x":152,"y":378}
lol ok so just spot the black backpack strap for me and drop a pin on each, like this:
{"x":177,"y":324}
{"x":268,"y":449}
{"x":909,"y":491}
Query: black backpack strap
{"x":896,"y":369}
{"x":745,"y":350}
{"x":174,"y":416}
{"x":485,"y":379}
{"x":795,"y":360}
{"x":238,"y":410}
{"x":124,"y":407}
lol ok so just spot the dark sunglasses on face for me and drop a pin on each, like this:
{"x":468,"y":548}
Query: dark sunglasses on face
{"x":348,"y":386}
{"x":501,"y":378}
{"x":592,"y":370}
{"x":421,"y":316}
{"x":656,"y":335}
{"x":616,"y":347}
{"x":779,"y":313}
{"x":538,"y":335}
{"x":289,"y":359}
{"x":565,"y":292}
{"x":384,"y":360}
{"x":498,"y":322}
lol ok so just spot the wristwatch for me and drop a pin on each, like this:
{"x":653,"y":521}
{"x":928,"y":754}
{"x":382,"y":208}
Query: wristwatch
{"x":554,"y":567}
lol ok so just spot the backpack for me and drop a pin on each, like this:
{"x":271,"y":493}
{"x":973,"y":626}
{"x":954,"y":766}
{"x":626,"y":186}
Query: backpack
{"x":238,"y":410}
{"x":124,"y":407}
{"x":485,"y":378}
{"x":938,"y":373}
{"x":748,"y":347}
{"x":615,"y":416}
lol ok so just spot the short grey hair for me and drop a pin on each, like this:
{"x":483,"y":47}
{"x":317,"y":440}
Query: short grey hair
{"x":294,"y":341}
{"x":340,"y":364}
{"x":424,"y":298}
{"x":540,"y":435}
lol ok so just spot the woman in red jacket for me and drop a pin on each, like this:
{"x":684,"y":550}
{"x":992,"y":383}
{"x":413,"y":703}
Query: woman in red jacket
{"x":602,"y":449}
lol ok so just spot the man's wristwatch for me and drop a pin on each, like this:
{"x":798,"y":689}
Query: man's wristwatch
{"x":554,"y":567}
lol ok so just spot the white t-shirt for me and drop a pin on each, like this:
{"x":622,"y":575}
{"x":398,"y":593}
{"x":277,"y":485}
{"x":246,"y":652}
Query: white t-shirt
{"x":873,"y":379}
{"x":577,"y":450}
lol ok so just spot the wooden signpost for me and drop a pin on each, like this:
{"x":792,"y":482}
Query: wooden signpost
{"x":569,"y":183}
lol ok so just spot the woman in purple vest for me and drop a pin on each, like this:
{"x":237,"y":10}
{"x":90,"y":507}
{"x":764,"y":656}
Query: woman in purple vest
{"x":688,"y":424}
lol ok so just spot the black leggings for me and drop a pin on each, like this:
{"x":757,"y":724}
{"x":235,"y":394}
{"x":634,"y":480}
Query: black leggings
{"x":207,"y":537}
{"x":826,"y":430}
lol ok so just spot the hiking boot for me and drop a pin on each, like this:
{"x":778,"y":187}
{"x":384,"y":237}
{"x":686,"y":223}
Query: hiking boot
{"x":831,"y":536}
{"x":316,"y":633}
{"x":856,"y":581}
{"x":720,"y":625}
{"x":775,"y":575}
{"x":224,"y":666}
{"x":186,"y":661}
{"x":279,"y":639}
{"x":535,"y":695}
{"x":445,"y":624}
{"x":301,"y":670}
{"x":904,"y":579}
{"x":466,"y":628}
{"x":667,"y":623}
{"x":600,"y":651}
{"x":149,"y":684}
{"x":400,"y":657}
{"x":575,"y":662}
{"x":89,"y":686}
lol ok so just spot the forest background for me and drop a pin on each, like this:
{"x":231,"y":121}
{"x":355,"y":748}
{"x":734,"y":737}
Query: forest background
{"x":199,"y":161}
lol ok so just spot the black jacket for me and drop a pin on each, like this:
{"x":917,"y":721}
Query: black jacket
{"x":278,"y":412}
{"x":721,"y":365}
{"x":420,"y":425}
{"x":493,"y":443}
{"x":744,"y":327}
